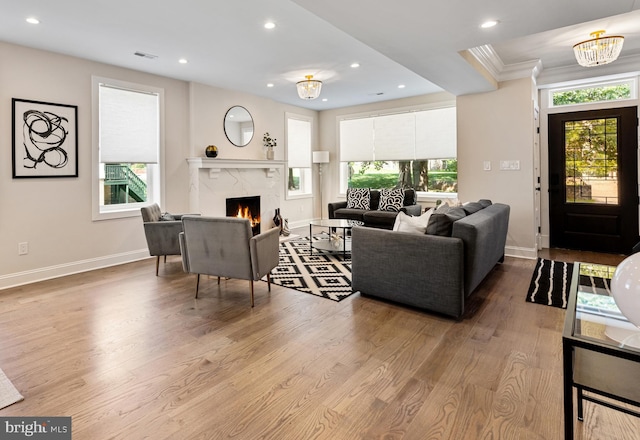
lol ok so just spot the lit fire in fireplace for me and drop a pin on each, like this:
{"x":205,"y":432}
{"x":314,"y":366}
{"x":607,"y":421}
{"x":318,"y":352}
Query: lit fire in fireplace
{"x":245,"y":212}
{"x":245,"y":207}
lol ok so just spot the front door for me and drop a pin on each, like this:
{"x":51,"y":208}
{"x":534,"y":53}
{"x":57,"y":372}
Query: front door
{"x":593,"y":180}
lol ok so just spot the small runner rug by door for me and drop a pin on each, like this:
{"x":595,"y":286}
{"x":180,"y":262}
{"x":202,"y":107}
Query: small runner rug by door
{"x":321,"y":274}
{"x":550,"y":283}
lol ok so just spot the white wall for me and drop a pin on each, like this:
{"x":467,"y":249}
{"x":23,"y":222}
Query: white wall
{"x":54,"y":214}
{"x":494,"y":127}
{"x":208,"y":105}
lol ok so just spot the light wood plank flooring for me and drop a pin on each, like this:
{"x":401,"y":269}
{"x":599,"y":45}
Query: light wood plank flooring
{"x":131,"y":356}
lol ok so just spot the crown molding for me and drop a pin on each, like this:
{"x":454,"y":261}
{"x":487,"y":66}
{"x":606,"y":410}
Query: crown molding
{"x":490,"y":60}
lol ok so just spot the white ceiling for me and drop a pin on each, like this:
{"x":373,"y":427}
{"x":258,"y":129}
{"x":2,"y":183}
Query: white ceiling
{"x":416,"y":43}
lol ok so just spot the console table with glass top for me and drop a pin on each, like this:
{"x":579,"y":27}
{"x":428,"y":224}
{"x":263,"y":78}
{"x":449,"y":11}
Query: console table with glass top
{"x":600,"y":347}
{"x":343,"y":244}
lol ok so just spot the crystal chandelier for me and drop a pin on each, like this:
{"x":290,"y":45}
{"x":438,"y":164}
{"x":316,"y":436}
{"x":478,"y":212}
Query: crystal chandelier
{"x":599,"y":50}
{"x":309,"y":88}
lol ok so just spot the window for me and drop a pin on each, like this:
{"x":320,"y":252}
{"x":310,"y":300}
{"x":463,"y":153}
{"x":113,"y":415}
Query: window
{"x":127,"y":147}
{"x":298,"y":134}
{"x":414,"y":149}
{"x":602,"y":92}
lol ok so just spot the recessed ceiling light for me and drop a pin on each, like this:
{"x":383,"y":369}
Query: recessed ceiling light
{"x":33,"y":20}
{"x":355,"y":65}
{"x":401,"y":86}
{"x":183,"y":61}
{"x":489,"y":24}
{"x":324,"y":99}
{"x":269,"y":25}
{"x":270,"y":85}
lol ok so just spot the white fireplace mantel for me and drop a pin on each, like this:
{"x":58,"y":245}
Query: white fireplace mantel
{"x":216,"y":165}
{"x":241,"y":176}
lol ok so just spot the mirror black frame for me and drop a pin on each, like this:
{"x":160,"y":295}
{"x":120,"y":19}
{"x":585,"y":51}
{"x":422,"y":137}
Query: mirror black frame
{"x":238,"y":143}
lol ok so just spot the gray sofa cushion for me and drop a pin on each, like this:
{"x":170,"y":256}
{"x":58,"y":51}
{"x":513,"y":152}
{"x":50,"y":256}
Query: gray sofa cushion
{"x":351,"y":213}
{"x":441,"y":221}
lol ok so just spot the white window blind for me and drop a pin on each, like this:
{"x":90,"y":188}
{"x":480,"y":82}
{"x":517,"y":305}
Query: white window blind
{"x":425,"y":134}
{"x":129,"y":126}
{"x":436,"y":134}
{"x":298,"y":143}
{"x":394,"y":137}
{"x":356,"y":140}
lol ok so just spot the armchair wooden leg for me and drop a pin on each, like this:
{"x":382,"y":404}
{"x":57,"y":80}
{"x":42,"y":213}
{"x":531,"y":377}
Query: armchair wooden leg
{"x":165,"y":259}
{"x":218,"y":281}
{"x":269,"y":281}
{"x":157,"y":264}
{"x":197,"y":284}
{"x":251,"y":281}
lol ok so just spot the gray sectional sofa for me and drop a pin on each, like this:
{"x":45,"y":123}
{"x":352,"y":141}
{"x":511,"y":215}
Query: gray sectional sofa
{"x":374,"y":217}
{"x":432,"y":272}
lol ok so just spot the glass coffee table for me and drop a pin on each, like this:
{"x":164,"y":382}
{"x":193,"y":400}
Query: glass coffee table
{"x":333,"y":243}
{"x":600,"y":347}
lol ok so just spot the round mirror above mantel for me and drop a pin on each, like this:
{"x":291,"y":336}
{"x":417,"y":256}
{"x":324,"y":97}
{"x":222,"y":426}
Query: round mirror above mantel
{"x":238,"y":126}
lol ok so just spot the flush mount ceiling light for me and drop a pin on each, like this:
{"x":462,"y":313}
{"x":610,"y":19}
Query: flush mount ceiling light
{"x":598,"y":50}
{"x":309,"y":88}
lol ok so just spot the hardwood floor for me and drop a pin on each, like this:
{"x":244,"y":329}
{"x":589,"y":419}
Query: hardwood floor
{"x":130,"y":356}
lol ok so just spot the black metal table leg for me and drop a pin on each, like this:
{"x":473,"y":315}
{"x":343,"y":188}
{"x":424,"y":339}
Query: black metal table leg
{"x":567,"y":366}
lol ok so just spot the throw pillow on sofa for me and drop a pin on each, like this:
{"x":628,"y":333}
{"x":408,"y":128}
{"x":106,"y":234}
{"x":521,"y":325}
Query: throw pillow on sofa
{"x":417,"y":225}
{"x":471,"y":207}
{"x":441,"y":221}
{"x":358,"y":198}
{"x":391,"y":199}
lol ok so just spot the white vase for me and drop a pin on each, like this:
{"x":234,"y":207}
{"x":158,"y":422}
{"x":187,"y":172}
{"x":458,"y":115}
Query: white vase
{"x":270,"y":153}
{"x":625,"y":288}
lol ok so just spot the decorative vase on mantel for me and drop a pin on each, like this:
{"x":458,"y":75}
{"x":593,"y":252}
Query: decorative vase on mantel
{"x":270,"y":153}
{"x":211,"y":151}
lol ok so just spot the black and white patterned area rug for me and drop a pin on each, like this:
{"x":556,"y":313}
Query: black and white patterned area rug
{"x":550,"y":283}
{"x":322,"y":274}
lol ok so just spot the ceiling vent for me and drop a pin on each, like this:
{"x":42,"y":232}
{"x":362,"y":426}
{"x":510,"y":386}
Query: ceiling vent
{"x":145,"y":55}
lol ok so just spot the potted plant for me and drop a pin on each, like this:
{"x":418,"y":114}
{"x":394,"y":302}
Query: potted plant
{"x":270,"y":144}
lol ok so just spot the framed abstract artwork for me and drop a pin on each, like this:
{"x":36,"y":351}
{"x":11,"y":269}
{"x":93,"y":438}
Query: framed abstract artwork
{"x":45,"y":139}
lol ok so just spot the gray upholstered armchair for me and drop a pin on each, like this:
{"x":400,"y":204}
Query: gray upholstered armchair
{"x":225,"y":247}
{"x":161,"y":232}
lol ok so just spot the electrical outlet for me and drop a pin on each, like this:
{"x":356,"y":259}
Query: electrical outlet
{"x":23,"y":248}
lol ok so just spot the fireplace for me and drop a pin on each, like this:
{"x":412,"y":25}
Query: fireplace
{"x":246,"y":207}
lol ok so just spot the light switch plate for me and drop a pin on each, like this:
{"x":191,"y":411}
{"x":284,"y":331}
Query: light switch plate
{"x":486,"y":165}
{"x":510,"y":165}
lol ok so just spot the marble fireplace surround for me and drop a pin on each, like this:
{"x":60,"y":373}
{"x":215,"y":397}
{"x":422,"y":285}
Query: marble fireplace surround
{"x":212,"y":181}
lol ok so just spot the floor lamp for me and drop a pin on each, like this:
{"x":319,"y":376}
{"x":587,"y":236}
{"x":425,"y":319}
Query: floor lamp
{"x":320,"y":157}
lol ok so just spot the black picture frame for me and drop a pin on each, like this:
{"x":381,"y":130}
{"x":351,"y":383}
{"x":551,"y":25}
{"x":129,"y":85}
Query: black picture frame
{"x":44,"y":139}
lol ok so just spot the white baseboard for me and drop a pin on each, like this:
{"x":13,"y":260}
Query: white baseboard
{"x":520,"y":252}
{"x":60,"y":270}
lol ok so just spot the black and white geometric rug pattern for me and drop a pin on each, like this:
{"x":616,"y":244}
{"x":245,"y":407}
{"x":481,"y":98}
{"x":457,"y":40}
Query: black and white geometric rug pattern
{"x":321,"y":274}
{"x":550,"y":283}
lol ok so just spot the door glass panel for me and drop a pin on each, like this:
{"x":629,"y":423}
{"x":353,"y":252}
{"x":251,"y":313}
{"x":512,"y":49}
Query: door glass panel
{"x":591,"y":161}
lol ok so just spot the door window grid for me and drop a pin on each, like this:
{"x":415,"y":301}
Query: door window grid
{"x":591,"y":151}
